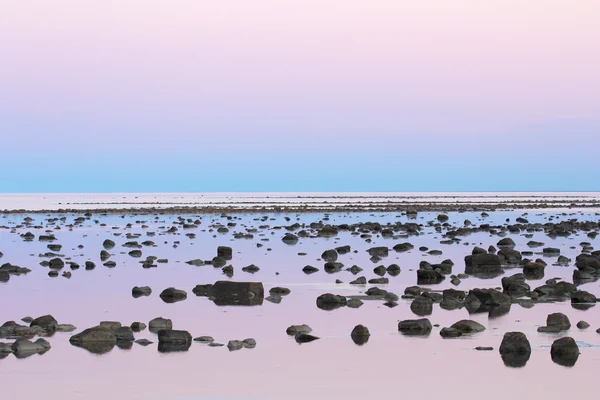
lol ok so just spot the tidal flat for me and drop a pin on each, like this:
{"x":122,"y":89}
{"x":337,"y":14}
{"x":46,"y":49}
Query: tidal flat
{"x":339,"y":303}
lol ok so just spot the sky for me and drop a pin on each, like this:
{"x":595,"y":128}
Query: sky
{"x":299,"y":95}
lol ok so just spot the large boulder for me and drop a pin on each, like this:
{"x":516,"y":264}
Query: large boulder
{"x":378,"y":251}
{"x":515,"y":349}
{"x":565,"y":351}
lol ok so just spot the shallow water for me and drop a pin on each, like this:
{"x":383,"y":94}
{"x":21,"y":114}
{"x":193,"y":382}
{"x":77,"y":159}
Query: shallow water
{"x":388,"y":366}
{"x":79,"y":201}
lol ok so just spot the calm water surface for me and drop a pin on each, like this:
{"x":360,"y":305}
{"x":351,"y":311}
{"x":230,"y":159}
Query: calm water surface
{"x":388,"y":366}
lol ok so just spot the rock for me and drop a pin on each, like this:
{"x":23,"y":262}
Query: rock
{"x":274,"y":298}
{"x":402,"y":247}
{"x":225,"y":252}
{"x":249,"y":343}
{"x":583,"y":325}
{"x":48,"y":322}
{"x":509,"y":256}
{"x":429,"y":277}
{"x":549,"y":329}
{"x":65,"y":328}
{"x":485,"y":264}
{"x":124,"y":333}
{"x":280,"y":291}
{"x":330,"y":301}
{"x":506,"y":242}
{"x":354,"y":303}
{"x":112,"y":325}
{"x":159,"y":324}
{"x":422,"y":306}
{"x":380,"y":270}
{"x":481,"y":348}
{"x":298,"y":329}
{"x":108,"y":244}
{"x":415,"y":327}
{"x":581,"y":296}
{"x":234,"y":345}
{"x":359,"y":281}
{"x":4,"y":276}
{"x":379,"y":281}
{"x":533,"y":270}
{"x":138,"y":326}
{"x":329,"y":255}
{"x":378,"y":251}
{"x":172,"y":295}
{"x":305,"y":338}
{"x":466,"y":326}
{"x":486,"y":300}
{"x":450,"y":333}
{"x":219,"y":262}
{"x":89,"y":265}
{"x":309,"y":269}
{"x":143,"y":342}
{"x":251,"y":269}
{"x":227,"y":293}
{"x":195,"y":263}
{"x":343,"y":249}
{"x":139,"y":291}
{"x":290,"y":238}
{"x":558,"y":320}
{"x":97,"y":340}
{"x":360,"y":335}
{"x":393,"y":270}
{"x":565,"y":352}
{"x":25,"y":348}
{"x":172,"y":340}
{"x":174,"y":336}
{"x":515,"y":285}
{"x":204,"y":339}
{"x":515,"y":349}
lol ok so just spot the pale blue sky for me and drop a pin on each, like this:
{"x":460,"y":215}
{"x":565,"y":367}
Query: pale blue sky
{"x":302,"y":95}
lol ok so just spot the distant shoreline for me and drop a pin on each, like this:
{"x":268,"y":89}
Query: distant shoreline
{"x":398,"y":208}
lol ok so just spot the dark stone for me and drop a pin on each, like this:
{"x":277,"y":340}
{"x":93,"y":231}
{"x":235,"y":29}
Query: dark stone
{"x":515,"y":349}
{"x":415,"y":327}
{"x":330,"y":301}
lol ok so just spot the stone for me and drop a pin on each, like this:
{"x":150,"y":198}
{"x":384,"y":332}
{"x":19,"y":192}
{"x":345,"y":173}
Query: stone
{"x":297,"y":329}
{"x":330,"y":301}
{"x":466,"y":326}
{"x":564,"y":351}
{"x":422,"y":306}
{"x":159,"y":324}
{"x":515,"y":349}
{"x":172,"y":295}
{"x":139,"y":291}
{"x":415,"y":327}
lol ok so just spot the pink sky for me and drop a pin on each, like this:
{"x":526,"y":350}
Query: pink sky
{"x":245,"y":72}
